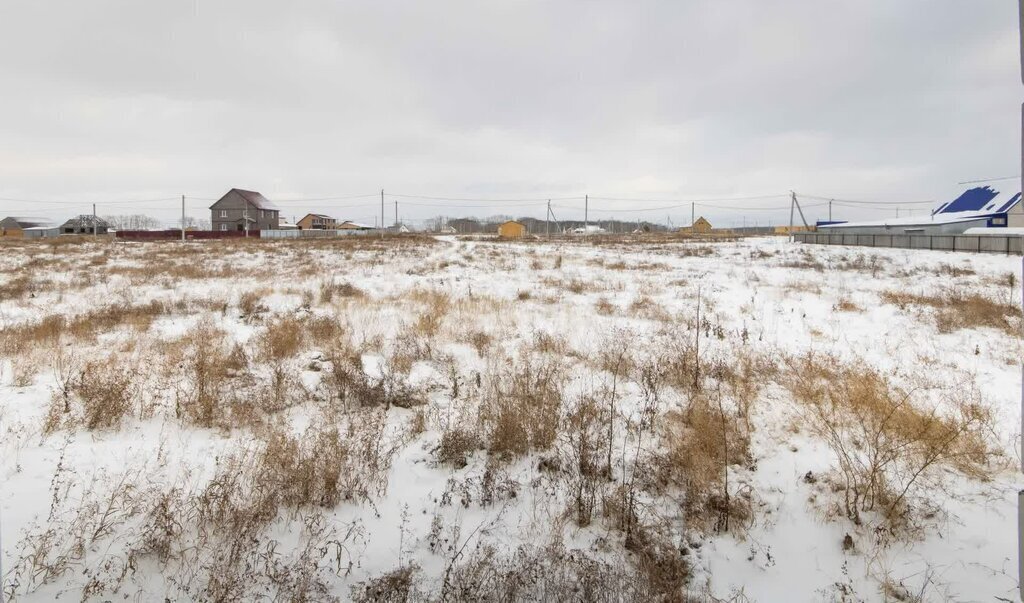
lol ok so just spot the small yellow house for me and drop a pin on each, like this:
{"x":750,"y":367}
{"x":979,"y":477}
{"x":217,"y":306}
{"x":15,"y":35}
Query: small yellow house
{"x":700,"y":226}
{"x":512,"y":230}
{"x":317,"y":222}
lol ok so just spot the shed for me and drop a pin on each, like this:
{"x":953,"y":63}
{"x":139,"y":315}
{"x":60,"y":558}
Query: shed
{"x":15,"y":227}
{"x":511,"y":230}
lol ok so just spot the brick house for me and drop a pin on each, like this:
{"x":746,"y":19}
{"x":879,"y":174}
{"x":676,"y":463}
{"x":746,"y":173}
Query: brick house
{"x":239,"y":207}
{"x":317,"y":222}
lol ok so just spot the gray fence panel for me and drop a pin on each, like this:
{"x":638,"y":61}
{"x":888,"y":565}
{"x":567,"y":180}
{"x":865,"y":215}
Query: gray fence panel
{"x":1008,"y":244}
{"x":279,"y":234}
{"x":992,"y":244}
{"x":312,"y":234}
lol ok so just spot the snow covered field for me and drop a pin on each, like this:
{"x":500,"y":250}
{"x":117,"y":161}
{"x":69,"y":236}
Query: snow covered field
{"x":445,"y":419}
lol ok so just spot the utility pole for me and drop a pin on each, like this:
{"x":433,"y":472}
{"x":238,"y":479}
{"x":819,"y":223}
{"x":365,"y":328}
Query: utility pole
{"x":547,"y":221}
{"x":396,"y":215}
{"x":830,"y":210}
{"x":586,"y":215}
{"x":792,"y":206}
{"x":183,"y":218}
{"x":693,"y":215}
{"x":95,"y":230}
{"x":382,"y":214}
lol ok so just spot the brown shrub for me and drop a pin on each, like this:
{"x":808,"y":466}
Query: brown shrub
{"x":455,"y":447}
{"x":206,"y":367}
{"x":520,"y":411}
{"x":304,"y":471}
{"x":249,"y":303}
{"x":586,"y":444}
{"x":98,"y":397}
{"x":281,"y":340}
{"x":700,"y":443}
{"x":396,"y":586}
{"x":323,"y":330}
{"x":604,"y":307}
{"x":890,"y":444}
{"x":552,"y":573}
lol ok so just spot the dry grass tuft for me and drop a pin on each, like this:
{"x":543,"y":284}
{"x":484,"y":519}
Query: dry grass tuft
{"x":282,"y":340}
{"x":520,"y":410}
{"x":959,"y":310}
{"x":330,"y":290}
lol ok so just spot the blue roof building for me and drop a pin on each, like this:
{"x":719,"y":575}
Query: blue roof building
{"x":981,"y":207}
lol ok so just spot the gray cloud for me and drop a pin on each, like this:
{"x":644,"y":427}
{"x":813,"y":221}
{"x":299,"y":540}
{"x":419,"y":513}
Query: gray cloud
{"x":118,"y":100}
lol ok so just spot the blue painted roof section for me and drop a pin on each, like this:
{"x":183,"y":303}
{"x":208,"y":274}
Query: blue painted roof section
{"x":1006,"y":206}
{"x":974,"y":199}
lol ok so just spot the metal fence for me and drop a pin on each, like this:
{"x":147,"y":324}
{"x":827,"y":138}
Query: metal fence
{"x":174,"y":234}
{"x":1006,"y":244}
{"x":313,"y":234}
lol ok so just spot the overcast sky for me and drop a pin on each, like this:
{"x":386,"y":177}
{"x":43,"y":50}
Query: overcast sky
{"x":885,"y":100}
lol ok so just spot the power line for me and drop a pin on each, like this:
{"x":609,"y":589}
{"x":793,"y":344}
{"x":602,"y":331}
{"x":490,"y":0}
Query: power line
{"x":121,"y":202}
{"x":483,"y":199}
{"x":989,"y":180}
{"x":666,"y":207}
{"x":683,"y":201}
{"x":862,"y":202}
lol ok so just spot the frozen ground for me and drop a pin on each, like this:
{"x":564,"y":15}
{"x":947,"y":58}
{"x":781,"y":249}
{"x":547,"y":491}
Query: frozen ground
{"x":455,"y":374}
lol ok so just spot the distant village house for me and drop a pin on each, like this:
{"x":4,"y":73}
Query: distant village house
{"x":317,"y":222}
{"x":699,"y":226}
{"x":511,"y":230}
{"x":244,"y":210}
{"x":85,"y":224}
